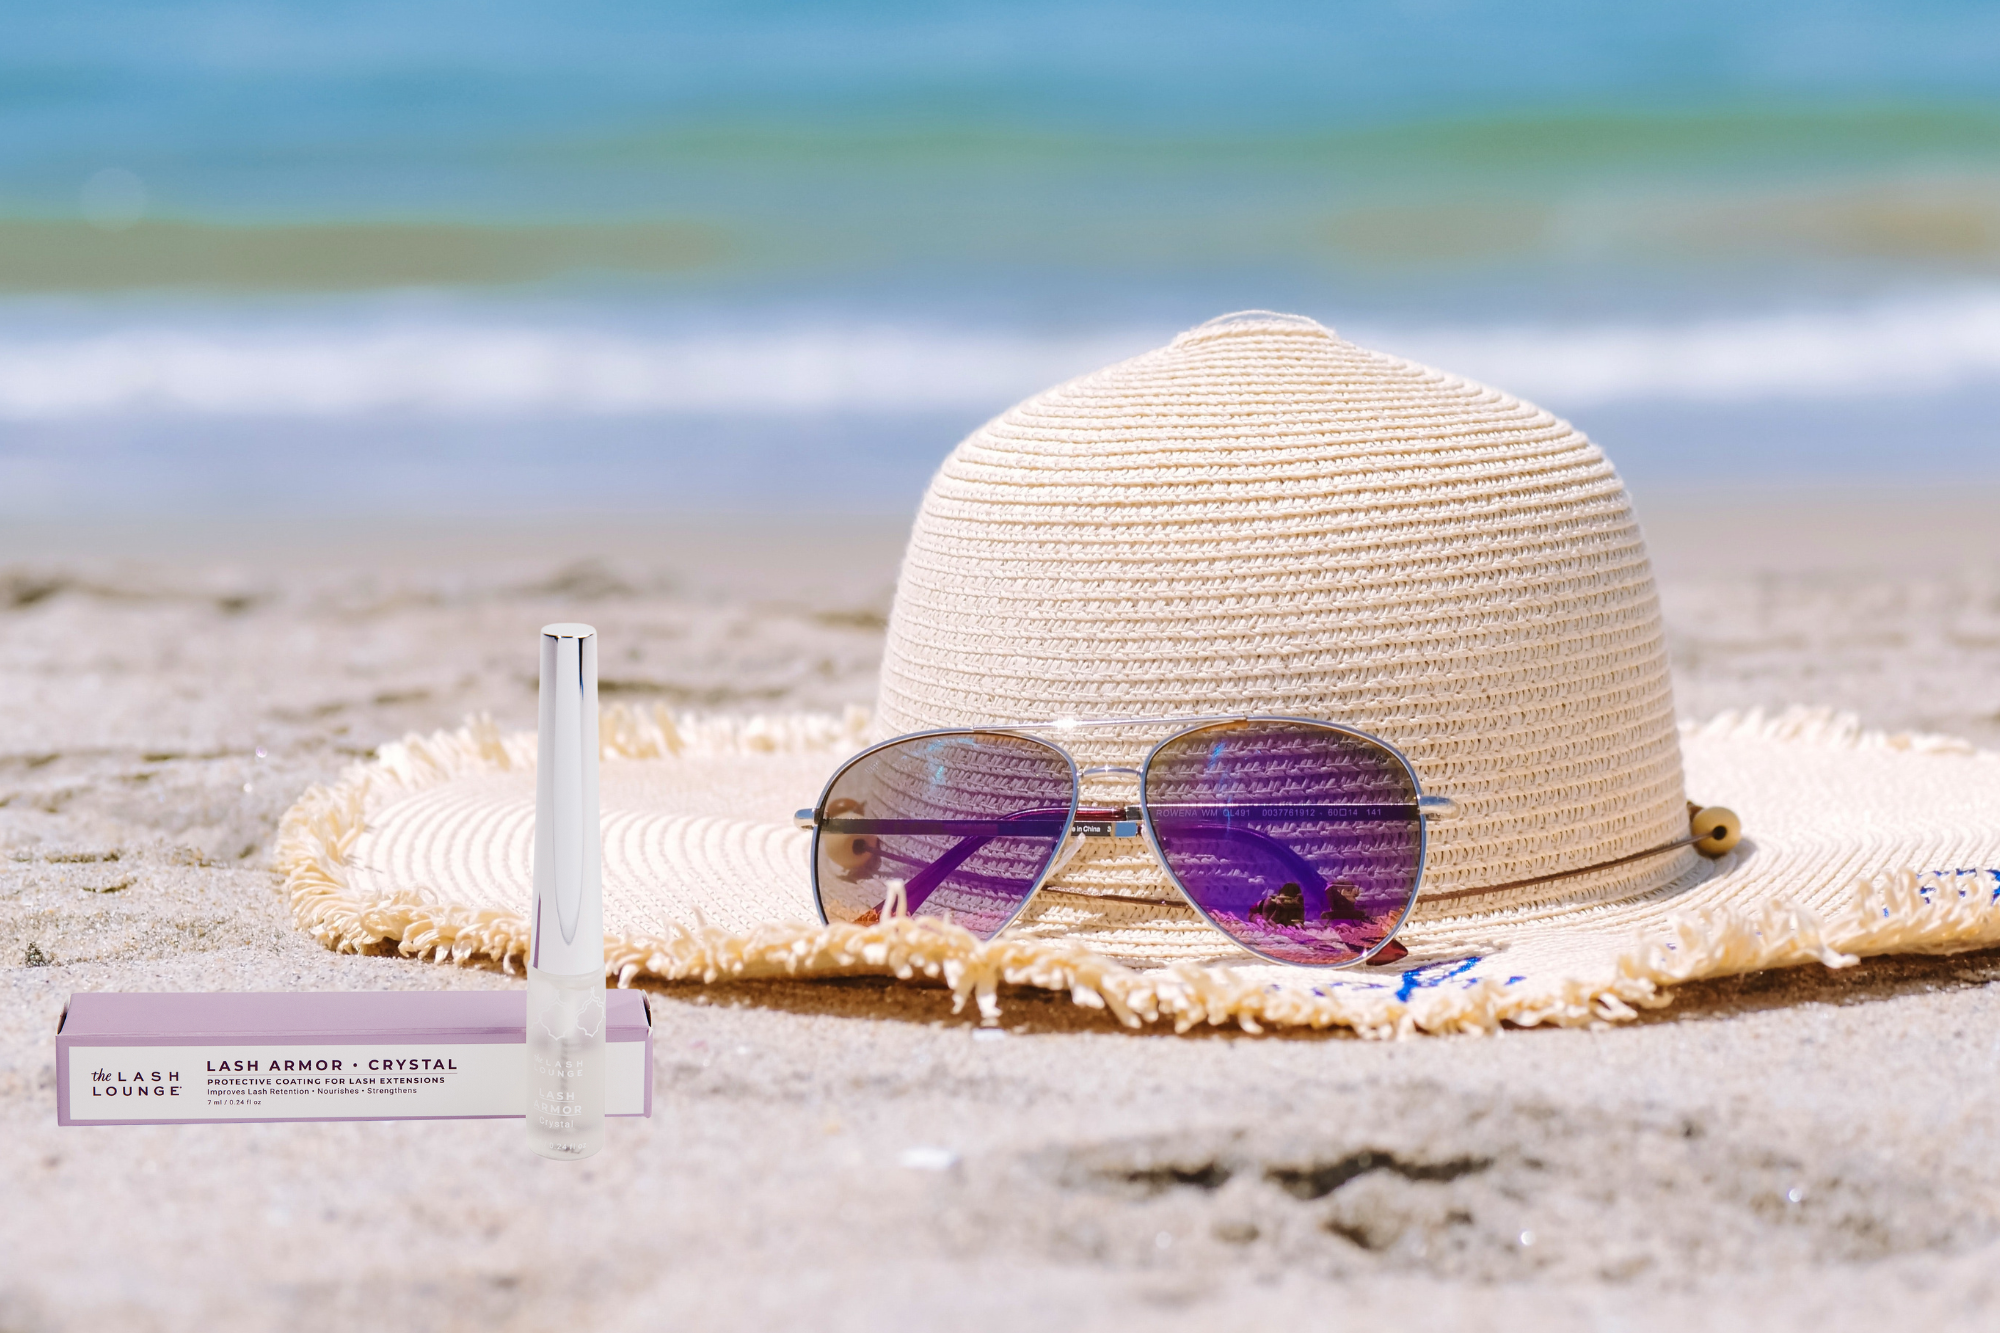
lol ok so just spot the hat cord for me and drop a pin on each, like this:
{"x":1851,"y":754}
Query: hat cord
{"x":1715,"y":831}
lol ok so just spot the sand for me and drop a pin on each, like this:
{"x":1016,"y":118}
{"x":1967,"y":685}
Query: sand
{"x":1796,"y":1150}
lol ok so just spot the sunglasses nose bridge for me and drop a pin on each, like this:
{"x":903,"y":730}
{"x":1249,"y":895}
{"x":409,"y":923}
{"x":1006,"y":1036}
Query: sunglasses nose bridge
{"x":1099,"y":819}
{"x":1113,"y":771}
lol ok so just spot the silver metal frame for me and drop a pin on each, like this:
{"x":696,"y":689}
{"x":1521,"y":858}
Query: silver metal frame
{"x":811,"y":817}
{"x":1423,"y":833}
{"x":1428,"y":807}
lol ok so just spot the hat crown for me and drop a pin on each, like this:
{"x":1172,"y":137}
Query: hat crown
{"x":1264,"y":517}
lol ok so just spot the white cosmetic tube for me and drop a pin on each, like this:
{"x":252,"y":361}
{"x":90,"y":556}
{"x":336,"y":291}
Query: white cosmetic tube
{"x":566,"y":950}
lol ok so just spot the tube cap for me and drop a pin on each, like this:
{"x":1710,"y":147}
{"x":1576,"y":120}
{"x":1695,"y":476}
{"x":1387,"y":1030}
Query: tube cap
{"x":568,"y":917}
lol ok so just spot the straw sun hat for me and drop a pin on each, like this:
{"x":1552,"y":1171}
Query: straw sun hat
{"x":1258,"y":517}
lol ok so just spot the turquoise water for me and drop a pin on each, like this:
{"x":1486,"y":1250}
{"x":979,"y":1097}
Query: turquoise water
{"x":789,"y":253}
{"x":874,"y":135}
{"x":512,"y":109}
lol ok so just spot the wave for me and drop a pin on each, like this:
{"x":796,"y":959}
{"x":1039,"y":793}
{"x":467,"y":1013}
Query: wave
{"x":472,"y":369}
{"x":1894,"y":348}
{"x":468,"y":370}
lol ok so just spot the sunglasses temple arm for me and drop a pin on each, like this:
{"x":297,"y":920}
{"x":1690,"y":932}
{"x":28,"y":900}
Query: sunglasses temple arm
{"x":919,"y":887}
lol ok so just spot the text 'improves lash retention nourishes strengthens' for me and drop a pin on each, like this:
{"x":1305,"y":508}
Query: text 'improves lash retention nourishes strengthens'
{"x":566,"y":952}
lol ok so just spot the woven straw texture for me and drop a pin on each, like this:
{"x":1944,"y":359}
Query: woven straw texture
{"x":1264,"y":517}
{"x":1863,"y":844}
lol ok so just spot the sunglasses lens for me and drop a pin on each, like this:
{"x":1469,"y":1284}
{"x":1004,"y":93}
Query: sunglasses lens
{"x":1302,"y":843}
{"x":958,"y":826}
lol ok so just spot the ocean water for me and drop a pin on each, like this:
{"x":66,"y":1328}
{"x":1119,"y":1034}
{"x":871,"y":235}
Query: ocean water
{"x":490,"y":257}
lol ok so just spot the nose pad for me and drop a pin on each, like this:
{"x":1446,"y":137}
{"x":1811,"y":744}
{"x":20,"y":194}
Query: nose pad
{"x":1160,"y":864}
{"x":1065,"y":856}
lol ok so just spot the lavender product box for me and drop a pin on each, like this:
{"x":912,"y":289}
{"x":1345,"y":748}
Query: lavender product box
{"x":184,"y":1059}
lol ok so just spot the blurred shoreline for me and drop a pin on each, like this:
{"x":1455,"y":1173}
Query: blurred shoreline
{"x":1700,"y":527}
{"x":1704,"y":526}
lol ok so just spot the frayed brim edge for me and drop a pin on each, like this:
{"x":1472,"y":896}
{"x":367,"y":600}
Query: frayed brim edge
{"x":1900,"y":912}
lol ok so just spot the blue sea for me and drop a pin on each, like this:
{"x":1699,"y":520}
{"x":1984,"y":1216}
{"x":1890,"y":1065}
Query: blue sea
{"x":499,"y":257}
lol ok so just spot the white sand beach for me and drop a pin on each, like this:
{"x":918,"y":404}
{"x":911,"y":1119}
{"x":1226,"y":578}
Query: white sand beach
{"x":1799,"y":1150}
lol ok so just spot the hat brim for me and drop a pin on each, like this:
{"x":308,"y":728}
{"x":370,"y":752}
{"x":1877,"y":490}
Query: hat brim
{"x":1856,"y":844}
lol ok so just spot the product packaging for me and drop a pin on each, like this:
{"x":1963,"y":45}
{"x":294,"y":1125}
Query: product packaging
{"x":175,"y":1059}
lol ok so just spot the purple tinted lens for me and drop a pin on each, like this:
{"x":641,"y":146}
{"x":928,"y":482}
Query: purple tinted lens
{"x":958,"y":826}
{"x":1301,"y":842}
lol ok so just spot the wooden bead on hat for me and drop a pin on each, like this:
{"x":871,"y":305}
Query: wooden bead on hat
{"x":1716,"y":829}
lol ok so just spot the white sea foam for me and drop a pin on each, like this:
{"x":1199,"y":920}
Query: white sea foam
{"x":465,"y":368}
{"x":1899,"y":347}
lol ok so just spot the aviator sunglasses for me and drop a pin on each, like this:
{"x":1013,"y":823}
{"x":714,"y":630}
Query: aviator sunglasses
{"x":1300,"y":840}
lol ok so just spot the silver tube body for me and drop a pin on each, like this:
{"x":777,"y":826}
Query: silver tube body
{"x":566,"y":948}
